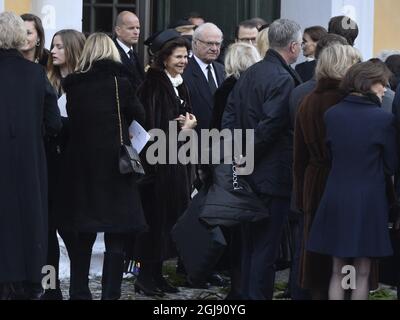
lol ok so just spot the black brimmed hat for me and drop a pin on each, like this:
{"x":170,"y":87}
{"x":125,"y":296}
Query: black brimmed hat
{"x":157,"y":40}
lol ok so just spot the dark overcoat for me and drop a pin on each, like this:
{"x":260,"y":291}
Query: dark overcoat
{"x":94,"y":196}
{"x":310,"y":170}
{"x":306,"y":70}
{"x":165,"y":190}
{"x":27,"y":110}
{"x":220,"y":100}
{"x":260,"y":101}
{"x":353,"y":215}
{"x":134,"y":68}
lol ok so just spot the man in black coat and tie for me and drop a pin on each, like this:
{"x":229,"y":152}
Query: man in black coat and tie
{"x":204,"y":75}
{"x":127,"y":30}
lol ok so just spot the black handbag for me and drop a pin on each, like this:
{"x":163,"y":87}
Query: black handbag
{"x":129,"y":160}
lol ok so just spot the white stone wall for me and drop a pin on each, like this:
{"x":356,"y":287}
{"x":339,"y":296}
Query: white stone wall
{"x":317,"y":12}
{"x":57,"y":15}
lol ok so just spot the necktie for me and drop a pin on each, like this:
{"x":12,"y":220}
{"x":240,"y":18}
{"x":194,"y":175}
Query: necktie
{"x":132,"y":56}
{"x":211,"y":81}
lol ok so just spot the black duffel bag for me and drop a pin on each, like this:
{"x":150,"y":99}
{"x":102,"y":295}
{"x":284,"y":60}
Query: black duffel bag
{"x":199,"y":247}
{"x":231,"y":200}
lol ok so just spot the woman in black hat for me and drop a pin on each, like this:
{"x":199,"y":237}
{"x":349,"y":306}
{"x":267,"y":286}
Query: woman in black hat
{"x":166,"y":191}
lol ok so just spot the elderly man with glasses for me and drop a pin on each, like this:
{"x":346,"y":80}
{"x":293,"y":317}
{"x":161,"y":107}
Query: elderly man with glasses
{"x":204,"y":75}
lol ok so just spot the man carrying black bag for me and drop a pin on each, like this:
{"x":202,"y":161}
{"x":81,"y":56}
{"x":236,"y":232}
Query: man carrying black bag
{"x":260,"y":102}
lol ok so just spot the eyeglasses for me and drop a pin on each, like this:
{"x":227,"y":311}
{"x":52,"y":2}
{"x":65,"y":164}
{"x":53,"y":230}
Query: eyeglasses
{"x":210,"y":44}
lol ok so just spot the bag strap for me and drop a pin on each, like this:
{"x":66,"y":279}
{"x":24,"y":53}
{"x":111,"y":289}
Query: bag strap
{"x":119,"y":111}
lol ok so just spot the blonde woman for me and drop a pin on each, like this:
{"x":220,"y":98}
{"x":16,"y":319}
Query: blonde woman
{"x":240,"y":56}
{"x":351,"y":223}
{"x":263,"y":42}
{"x":96,"y":197}
{"x":311,"y":161}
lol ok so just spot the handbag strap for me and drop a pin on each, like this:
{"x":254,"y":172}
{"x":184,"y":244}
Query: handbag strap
{"x":119,"y":111}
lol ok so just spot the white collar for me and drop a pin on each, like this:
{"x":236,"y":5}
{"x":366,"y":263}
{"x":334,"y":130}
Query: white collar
{"x":202,"y":64}
{"x":177,"y":81}
{"x":124,"y":47}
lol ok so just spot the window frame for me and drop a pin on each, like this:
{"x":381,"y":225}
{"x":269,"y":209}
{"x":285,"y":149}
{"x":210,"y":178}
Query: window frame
{"x":114,"y":5}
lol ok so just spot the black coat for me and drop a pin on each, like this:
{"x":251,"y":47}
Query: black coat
{"x":297,"y":96}
{"x":95,"y":196}
{"x":26,"y":108}
{"x":135,"y":71}
{"x":166,"y":190}
{"x":260,"y":101}
{"x":200,"y":93}
{"x":306,"y":70}
{"x":220,"y":100}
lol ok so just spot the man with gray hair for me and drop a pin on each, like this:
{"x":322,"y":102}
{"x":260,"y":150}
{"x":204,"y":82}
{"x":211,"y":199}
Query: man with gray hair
{"x":203,"y":75}
{"x":260,"y":101}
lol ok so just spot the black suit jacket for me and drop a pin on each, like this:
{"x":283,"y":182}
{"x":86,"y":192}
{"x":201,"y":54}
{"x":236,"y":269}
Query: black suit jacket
{"x":200,"y":94}
{"x":135,"y":70}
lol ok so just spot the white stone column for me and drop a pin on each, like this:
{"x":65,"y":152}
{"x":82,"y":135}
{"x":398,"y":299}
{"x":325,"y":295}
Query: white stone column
{"x":317,"y":12}
{"x":57,"y":15}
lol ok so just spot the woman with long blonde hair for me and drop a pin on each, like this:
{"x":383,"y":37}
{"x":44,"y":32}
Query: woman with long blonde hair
{"x":96,"y":197}
{"x":311,"y":158}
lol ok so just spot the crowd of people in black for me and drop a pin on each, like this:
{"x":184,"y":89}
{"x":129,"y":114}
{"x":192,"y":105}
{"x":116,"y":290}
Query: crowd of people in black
{"x":325,"y":154}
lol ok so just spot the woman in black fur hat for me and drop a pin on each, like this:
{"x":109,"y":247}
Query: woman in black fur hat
{"x":166,"y":192}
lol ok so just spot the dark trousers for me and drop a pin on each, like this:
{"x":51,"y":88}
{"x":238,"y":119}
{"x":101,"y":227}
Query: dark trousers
{"x":261,"y":242}
{"x":112,"y":268}
{"x":114,"y":242}
{"x":296,"y":292}
{"x":53,"y":253}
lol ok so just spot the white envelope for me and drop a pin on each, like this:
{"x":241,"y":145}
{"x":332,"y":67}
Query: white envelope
{"x":140,"y":137}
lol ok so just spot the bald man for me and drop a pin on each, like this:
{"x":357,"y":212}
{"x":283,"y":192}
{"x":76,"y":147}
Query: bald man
{"x":127,"y":31}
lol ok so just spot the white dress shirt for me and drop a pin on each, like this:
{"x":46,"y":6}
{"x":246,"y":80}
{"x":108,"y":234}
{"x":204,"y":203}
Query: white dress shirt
{"x":203,"y":67}
{"x":125,"y":48}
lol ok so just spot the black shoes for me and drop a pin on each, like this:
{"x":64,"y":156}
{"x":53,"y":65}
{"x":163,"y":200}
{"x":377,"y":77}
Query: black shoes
{"x":217,"y":280}
{"x":149,"y":289}
{"x":165,"y":286}
{"x":113,"y":270}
